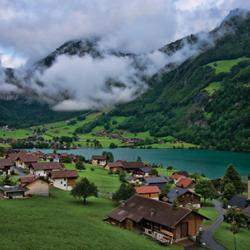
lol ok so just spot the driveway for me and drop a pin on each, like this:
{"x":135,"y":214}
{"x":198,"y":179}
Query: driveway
{"x":207,"y":236}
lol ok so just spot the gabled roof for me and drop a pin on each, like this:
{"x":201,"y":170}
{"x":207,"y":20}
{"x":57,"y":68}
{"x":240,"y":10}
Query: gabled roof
{"x":127,"y":165}
{"x":5,"y":163}
{"x":238,"y":201}
{"x":28,"y":179}
{"x":46,"y":166}
{"x":177,"y":192}
{"x":154,"y":180}
{"x":176,"y":176}
{"x":99,"y":157}
{"x":147,"y":190}
{"x":137,"y":208}
{"x":26,"y":157}
{"x":184,"y":182}
{"x":64,"y":174}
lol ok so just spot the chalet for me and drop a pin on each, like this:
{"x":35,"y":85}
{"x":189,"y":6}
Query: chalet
{"x":157,"y":219}
{"x":142,"y":171}
{"x":185,"y":183}
{"x":22,"y":159}
{"x":152,"y":192}
{"x":52,"y":157}
{"x":238,"y":201}
{"x":159,"y":181}
{"x":5,"y":166}
{"x":177,"y":177}
{"x":64,"y":179}
{"x":184,"y":197}
{"x":35,"y":185}
{"x":44,"y":168}
{"x":100,"y":160}
{"x":12,"y":192}
{"x":128,"y":166}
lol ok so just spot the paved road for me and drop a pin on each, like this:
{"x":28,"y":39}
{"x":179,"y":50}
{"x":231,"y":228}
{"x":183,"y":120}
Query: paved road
{"x":19,"y":171}
{"x":207,"y":236}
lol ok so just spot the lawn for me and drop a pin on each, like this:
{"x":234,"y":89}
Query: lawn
{"x":100,"y":176}
{"x":61,"y":222}
{"x":225,"y":65}
{"x":224,"y":236}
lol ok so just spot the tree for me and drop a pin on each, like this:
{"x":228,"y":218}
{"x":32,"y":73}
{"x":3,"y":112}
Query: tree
{"x":112,"y":145}
{"x":122,"y":176}
{"x":83,"y":189}
{"x":139,"y":159}
{"x":206,"y":189}
{"x":109,"y":156}
{"x":154,"y":172}
{"x":229,"y":191}
{"x":80,"y":165}
{"x":235,"y":216}
{"x":124,"y":192}
{"x":6,"y":180}
{"x":232,"y":176}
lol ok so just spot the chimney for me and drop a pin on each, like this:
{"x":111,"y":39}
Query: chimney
{"x":248,"y":191}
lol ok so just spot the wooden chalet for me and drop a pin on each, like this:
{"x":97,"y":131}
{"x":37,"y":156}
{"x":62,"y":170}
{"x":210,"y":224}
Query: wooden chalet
{"x":184,"y":197}
{"x":44,"y":168}
{"x":64,"y":179}
{"x":5,"y":166}
{"x":100,"y":160}
{"x":152,"y":192}
{"x":157,"y":219}
{"x":128,"y":166}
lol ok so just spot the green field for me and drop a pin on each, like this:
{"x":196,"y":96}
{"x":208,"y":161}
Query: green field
{"x":213,"y":87}
{"x":209,"y":212}
{"x":60,"y":222}
{"x":15,"y":134}
{"x":100,"y":176}
{"x":224,"y":236}
{"x":224,"y":66}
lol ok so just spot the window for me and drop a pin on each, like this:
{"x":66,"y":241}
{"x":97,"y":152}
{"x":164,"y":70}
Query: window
{"x":61,"y":182}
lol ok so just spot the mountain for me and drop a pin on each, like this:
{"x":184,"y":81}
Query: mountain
{"x":203,"y":98}
{"x":206,"y":100}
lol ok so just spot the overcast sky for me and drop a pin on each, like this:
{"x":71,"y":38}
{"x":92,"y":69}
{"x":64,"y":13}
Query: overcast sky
{"x":30,"y":29}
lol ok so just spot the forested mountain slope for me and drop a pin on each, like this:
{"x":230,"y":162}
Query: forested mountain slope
{"x":204,"y":101}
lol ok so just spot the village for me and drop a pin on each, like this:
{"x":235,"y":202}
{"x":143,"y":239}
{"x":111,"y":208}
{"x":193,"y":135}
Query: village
{"x":163,"y":204}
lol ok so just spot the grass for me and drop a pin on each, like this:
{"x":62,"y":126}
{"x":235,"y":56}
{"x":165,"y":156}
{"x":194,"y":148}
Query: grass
{"x":173,"y":145}
{"x":209,"y":212}
{"x":224,"y":236}
{"x":100,"y":176}
{"x":61,"y":222}
{"x":15,"y":134}
{"x":224,"y":66}
{"x":213,"y":87}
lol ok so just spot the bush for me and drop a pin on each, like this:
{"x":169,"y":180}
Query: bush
{"x":80,"y":165}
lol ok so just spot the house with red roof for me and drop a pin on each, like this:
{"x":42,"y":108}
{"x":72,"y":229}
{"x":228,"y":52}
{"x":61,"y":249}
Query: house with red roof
{"x":185,"y":183}
{"x":177,"y":177}
{"x":23,"y":159}
{"x":64,"y":179}
{"x":152,"y":192}
{"x":44,"y":168}
{"x":5,"y":166}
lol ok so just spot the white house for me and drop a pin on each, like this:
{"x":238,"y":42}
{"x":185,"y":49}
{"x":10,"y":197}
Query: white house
{"x":64,"y":179}
{"x":44,"y":168}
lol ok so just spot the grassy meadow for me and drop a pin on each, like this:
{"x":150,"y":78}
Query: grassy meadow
{"x":61,"y":222}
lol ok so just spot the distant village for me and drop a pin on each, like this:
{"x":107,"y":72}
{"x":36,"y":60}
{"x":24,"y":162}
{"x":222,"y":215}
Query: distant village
{"x":164,"y":208}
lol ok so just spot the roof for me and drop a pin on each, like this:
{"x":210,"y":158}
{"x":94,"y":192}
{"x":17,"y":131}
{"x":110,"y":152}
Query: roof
{"x":238,"y":201}
{"x":5,"y":163}
{"x":177,"y":192}
{"x":99,"y":157}
{"x":13,"y":189}
{"x":155,"y":180}
{"x":184,"y":182}
{"x":138,"y":207}
{"x":117,"y":164}
{"x":133,"y":164}
{"x":176,"y":176}
{"x":147,"y":189}
{"x":24,"y":156}
{"x":64,"y":174}
{"x":27,"y":179}
{"x":46,"y":165}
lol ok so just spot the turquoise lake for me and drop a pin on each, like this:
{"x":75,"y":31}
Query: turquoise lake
{"x":211,"y":163}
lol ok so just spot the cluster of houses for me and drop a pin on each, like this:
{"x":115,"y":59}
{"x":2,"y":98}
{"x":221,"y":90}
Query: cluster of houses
{"x":151,"y":213}
{"x":40,"y":174}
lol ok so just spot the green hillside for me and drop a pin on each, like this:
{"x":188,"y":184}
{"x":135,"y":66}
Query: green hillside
{"x":205,"y":101}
